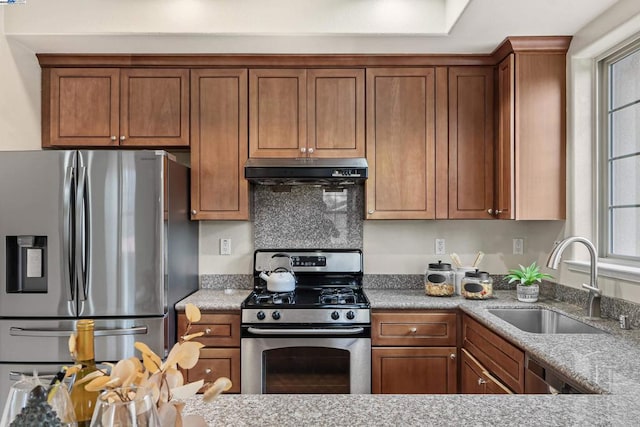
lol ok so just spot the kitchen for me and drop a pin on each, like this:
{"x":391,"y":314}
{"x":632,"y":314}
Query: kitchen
{"x":393,"y":247}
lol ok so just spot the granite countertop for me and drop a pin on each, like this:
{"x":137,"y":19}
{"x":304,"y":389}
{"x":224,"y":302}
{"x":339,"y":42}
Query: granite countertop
{"x":606,"y":363}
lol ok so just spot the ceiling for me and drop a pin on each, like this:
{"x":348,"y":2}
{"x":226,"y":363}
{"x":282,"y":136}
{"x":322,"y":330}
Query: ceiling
{"x":289,"y":26}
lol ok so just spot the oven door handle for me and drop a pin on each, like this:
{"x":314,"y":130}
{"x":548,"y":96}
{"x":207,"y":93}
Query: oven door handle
{"x":310,"y":331}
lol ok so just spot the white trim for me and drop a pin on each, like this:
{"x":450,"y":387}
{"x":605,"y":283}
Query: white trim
{"x":614,"y":271}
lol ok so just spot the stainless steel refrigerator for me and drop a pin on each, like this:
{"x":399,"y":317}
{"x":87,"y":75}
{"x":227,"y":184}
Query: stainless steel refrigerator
{"x":91,"y":234}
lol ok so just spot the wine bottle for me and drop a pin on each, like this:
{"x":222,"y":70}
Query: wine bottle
{"x":84,"y":401}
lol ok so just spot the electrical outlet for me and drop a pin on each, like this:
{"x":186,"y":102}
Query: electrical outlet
{"x":440,"y":247}
{"x":225,"y":246}
{"x":518,"y":246}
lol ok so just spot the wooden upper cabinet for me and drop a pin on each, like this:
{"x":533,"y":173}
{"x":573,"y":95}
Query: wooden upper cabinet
{"x":154,"y":107}
{"x":80,"y":107}
{"x":107,"y":107}
{"x":277,"y":112}
{"x":306,"y":113}
{"x":219,"y":144}
{"x":400,"y":143}
{"x":532,"y":126}
{"x":471,"y":146}
{"x":335,"y":103}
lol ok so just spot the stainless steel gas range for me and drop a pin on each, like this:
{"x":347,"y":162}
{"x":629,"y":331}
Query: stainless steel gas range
{"x":315,"y":339}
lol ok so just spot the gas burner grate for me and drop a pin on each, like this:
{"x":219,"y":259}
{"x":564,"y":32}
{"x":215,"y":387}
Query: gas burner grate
{"x":337,"y":296}
{"x":275,"y":298}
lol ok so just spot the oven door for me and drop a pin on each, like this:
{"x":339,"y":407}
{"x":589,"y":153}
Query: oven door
{"x":303,"y":364}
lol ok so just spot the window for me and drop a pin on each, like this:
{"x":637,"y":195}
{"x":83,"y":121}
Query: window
{"x":620,"y":219}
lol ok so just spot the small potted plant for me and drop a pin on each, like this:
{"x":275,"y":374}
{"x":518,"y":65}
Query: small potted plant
{"x":528,"y":279}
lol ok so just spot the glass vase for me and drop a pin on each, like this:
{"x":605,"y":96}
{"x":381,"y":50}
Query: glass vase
{"x":125,"y":406}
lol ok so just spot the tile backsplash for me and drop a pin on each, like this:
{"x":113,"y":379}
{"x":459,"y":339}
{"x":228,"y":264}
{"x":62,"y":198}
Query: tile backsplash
{"x":308,"y":217}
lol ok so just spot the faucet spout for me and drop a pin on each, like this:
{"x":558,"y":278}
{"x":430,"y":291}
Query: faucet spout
{"x":593,"y":304}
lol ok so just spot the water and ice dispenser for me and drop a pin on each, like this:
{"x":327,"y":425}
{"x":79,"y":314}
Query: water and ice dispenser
{"x":26,"y":264}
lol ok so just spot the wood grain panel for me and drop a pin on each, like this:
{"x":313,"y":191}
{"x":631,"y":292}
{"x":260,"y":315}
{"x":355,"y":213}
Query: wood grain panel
{"x":442,"y":143}
{"x":83,"y":107}
{"x":336,"y":112}
{"x":219,"y":144}
{"x":277,"y":112}
{"x":401,"y":143}
{"x":413,"y":370}
{"x":220,"y":330}
{"x":471,"y":375}
{"x":471,"y":176}
{"x":505,"y":167}
{"x":497,"y":355}
{"x":215,"y":363}
{"x":540,"y":120}
{"x":154,"y":107}
{"x":413,"y":328}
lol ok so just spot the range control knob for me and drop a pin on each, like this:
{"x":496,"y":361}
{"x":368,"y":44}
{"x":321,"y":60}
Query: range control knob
{"x":351,"y":315}
{"x":261,"y":315}
{"x":275,"y":315}
{"x":335,"y":315}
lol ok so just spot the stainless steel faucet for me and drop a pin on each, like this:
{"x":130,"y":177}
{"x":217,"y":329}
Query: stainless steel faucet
{"x":593,"y":304}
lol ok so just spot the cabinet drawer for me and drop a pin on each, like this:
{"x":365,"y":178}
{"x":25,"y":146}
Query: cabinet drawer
{"x":497,"y":355}
{"x":220,"y":330}
{"x":215,"y":363}
{"x":399,"y":328}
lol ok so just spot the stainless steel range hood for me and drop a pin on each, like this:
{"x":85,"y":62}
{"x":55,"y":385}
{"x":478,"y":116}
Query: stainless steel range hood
{"x":306,"y":171}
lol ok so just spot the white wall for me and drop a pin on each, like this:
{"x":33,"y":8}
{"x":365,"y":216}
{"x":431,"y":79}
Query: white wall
{"x":19,"y":96}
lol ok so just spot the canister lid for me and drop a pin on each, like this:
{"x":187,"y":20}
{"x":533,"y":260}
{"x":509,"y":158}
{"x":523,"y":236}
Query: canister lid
{"x":440,"y":266}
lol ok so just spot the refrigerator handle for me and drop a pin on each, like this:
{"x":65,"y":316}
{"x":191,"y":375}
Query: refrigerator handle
{"x":35,"y":332}
{"x":17,"y":376}
{"x":80,"y":233}
{"x":67,"y":268}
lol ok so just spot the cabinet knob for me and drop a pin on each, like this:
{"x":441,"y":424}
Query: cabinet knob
{"x":303,"y":149}
{"x":310,"y":150}
{"x":207,"y":371}
{"x":122,"y":138}
{"x":452,"y":356}
{"x":193,"y":212}
{"x":498,"y":212}
{"x":207,"y":331}
{"x":371,"y":211}
{"x":413,"y":330}
{"x":113,"y":137}
{"x":481,"y":381}
{"x":490,"y":211}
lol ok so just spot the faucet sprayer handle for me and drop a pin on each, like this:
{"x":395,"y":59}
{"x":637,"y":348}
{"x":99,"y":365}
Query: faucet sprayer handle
{"x":597,"y":291}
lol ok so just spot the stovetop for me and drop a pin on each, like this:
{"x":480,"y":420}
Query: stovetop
{"x":328,"y":288}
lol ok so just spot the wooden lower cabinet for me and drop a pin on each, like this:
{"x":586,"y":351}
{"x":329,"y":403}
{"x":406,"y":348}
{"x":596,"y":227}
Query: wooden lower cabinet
{"x":413,"y":370}
{"x":221,"y":355}
{"x":474,"y":379}
{"x":414,"y":352}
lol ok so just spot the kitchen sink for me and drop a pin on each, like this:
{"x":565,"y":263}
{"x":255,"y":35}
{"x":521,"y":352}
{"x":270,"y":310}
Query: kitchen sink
{"x":543,"y":321}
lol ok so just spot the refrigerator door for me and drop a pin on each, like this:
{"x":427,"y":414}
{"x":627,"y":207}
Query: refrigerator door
{"x":36,"y":198}
{"x":119,"y":235}
{"x":10,"y":373}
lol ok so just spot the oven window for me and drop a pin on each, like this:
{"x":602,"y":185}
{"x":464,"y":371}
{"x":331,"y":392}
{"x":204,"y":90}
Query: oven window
{"x":302,"y":370}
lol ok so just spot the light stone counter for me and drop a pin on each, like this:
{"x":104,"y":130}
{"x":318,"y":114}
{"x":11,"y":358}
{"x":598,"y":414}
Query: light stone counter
{"x":606,"y":363}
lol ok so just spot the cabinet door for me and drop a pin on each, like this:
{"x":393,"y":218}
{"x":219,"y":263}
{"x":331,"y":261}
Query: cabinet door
{"x":335,"y":113}
{"x":413,"y":370}
{"x":215,"y":363}
{"x":277,"y":113}
{"x":219,"y":144}
{"x":471,"y":177}
{"x":471,"y":376}
{"x":80,"y":107}
{"x":154,"y":107}
{"x":504,"y":197}
{"x":401,"y":143}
